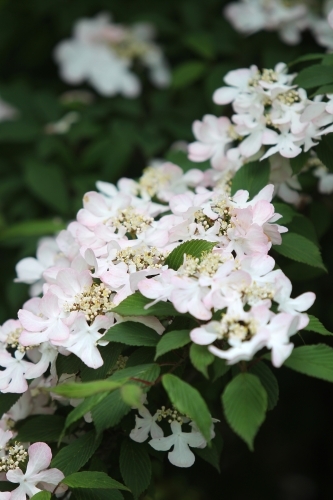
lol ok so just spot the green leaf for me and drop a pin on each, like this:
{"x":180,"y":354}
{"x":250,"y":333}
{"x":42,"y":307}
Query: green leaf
{"x":296,"y":247}
{"x":298,"y":162}
{"x":187,"y":73}
{"x":316,"y":326}
{"x":46,"y":428}
{"x":75,"y":455}
{"x":7,"y":400}
{"x":42,"y":495}
{"x":245,"y":403}
{"x":220,"y":368}
{"x":68,"y":364}
{"x":172,"y":340}
{"x":201,"y":358}
{"x":210,"y":455}
{"x":131,"y":395}
{"x":83,"y":408}
{"x":94,"y":480}
{"x":286,"y":211}
{"x":252,"y":176}
{"x":48,"y":183}
{"x":324,"y":151}
{"x":132,"y":333}
{"x":110,"y":355}
{"x":269,"y":382}
{"x":135,"y":466}
{"x":148,"y":372}
{"x":135,"y":305}
{"x":313,"y":360}
{"x":32,"y":228}
{"x":202,"y":43}
{"x":314,"y":76}
{"x":307,"y":57}
{"x":90,"y":494}
{"x":195,"y":248}
{"x":82,"y":390}
{"x":324,"y":89}
{"x":188,"y":401}
{"x":109,"y":412}
{"x":303,"y":226}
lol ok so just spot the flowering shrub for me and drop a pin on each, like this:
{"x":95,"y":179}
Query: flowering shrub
{"x":160,"y":319}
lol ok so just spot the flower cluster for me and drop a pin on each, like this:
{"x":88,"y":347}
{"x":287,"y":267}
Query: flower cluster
{"x":103,"y":53}
{"x":289,"y":19}
{"x":269,"y":111}
{"x":123,"y":241}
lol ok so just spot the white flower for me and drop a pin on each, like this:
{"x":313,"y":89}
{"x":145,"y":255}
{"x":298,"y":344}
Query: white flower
{"x":145,"y":426}
{"x":102,"y":53}
{"x":181,"y":455}
{"x":36,"y":474}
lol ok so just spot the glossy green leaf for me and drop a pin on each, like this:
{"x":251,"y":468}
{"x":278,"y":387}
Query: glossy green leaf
{"x":42,"y":495}
{"x":46,"y":428}
{"x":297,"y":247}
{"x":136,"y":305}
{"x":188,"y":401}
{"x":269,"y":382}
{"x":94,"y":480}
{"x":132,"y":333}
{"x":316,"y":326}
{"x":245,"y":403}
{"x":135,"y":466}
{"x":313,"y":360}
{"x":252,"y":177}
{"x":172,"y":340}
{"x":201,"y":358}
{"x":75,"y":455}
{"x":195,"y":248}
{"x":314,"y":76}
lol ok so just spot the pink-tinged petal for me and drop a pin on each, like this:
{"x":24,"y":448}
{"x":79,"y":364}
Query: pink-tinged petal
{"x":5,"y":495}
{"x":198,"y":152}
{"x":202,"y":337}
{"x":51,"y":476}
{"x":262,"y":212}
{"x":49,"y":305}
{"x":225,"y":95}
{"x":31,"y":322}
{"x":40,"y":457}
{"x":280,"y":352}
{"x":270,"y":136}
{"x":239,"y":77}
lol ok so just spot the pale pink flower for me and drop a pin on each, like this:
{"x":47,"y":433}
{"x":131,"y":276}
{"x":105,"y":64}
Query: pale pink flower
{"x":37,"y":477}
{"x":213,"y":137}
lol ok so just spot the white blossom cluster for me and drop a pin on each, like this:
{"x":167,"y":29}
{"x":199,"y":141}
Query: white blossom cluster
{"x":103,"y":53}
{"x":288,"y":18}
{"x":268,"y":111}
{"x":118,"y":246}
